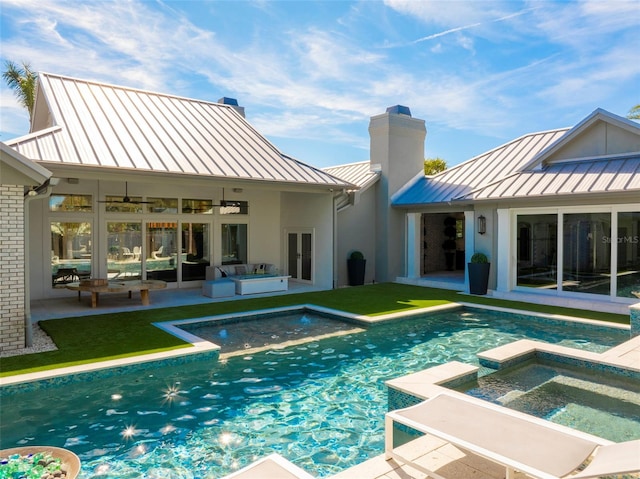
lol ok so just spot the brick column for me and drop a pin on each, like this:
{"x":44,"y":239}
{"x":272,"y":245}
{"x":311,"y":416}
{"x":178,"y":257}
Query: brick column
{"x":12,"y":250}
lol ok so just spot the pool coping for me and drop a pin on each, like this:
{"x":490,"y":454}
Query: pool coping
{"x":200,"y":346}
{"x":431,"y":382}
{"x":428,"y":383}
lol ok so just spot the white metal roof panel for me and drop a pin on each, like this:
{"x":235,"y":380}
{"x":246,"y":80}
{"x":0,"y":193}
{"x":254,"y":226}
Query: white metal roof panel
{"x":359,"y":174}
{"x":117,"y":127}
{"x":478,"y":172}
{"x":614,"y":175}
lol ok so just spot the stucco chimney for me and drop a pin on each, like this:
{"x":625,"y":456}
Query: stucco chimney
{"x":232,"y":102}
{"x":397,"y":146}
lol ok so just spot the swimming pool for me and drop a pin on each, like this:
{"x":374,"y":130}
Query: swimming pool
{"x":320,"y":404}
{"x":603,"y":404}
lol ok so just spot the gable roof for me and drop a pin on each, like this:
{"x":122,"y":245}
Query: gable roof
{"x":612,"y":175}
{"x":15,"y":169}
{"x":82,"y":122}
{"x":479,"y":171}
{"x":599,"y":155}
{"x":608,"y":135}
{"x":359,"y":174}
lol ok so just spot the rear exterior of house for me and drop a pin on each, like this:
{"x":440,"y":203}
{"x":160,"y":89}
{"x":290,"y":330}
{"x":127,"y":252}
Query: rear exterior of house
{"x":556,"y":212}
{"x":156,"y":186}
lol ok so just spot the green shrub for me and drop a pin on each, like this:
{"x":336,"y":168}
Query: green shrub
{"x":356,"y":255}
{"x":479,"y":258}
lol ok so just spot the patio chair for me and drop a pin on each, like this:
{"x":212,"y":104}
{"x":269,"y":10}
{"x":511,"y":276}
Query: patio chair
{"x":65,"y":276}
{"x":137,"y":251}
{"x":514,"y":440}
{"x":273,"y":466}
{"x":156,"y":254}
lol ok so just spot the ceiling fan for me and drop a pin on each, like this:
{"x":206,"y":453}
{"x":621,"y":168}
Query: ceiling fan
{"x":126,"y":199}
{"x":225,"y":204}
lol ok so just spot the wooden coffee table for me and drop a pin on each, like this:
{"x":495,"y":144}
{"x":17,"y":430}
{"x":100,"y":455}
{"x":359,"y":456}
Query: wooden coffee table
{"x":144,"y":286}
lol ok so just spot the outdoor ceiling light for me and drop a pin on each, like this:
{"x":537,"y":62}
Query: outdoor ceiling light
{"x":482,"y":224}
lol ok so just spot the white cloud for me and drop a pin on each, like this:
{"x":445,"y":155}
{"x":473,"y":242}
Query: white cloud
{"x":323,"y":80}
{"x":446,"y":13}
{"x":14,"y":120}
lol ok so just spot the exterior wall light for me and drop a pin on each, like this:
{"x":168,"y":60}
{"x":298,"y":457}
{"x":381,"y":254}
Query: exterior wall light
{"x":482,"y":224}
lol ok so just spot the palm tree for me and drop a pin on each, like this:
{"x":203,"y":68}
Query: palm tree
{"x":22,"y":80}
{"x":433,"y":166}
{"x":634,"y":113}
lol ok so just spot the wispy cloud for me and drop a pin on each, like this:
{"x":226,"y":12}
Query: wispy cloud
{"x":485,"y":67}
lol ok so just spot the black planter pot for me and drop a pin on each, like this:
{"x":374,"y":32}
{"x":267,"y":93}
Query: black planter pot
{"x":355,"y":270}
{"x":478,"y":277}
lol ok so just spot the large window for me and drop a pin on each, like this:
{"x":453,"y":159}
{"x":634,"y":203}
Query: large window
{"x":628,"y":242}
{"x":161,"y":251}
{"x":590,"y":263}
{"x":195,"y":251}
{"x":234,"y":243}
{"x":71,"y":251}
{"x":537,"y":251}
{"x":124,"y":250}
{"x":587,"y":253}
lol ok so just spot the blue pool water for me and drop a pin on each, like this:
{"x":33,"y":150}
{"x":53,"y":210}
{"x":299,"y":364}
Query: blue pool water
{"x":607,"y":405}
{"x":320,"y":404}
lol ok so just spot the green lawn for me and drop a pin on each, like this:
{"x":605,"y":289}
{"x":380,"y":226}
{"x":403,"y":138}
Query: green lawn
{"x":89,"y":339}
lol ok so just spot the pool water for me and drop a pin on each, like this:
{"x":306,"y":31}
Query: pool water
{"x":239,"y":335}
{"x":607,"y":405}
{"x":320,"y":404}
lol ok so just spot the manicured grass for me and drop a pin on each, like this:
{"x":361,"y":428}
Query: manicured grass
{"x":89,"y":339}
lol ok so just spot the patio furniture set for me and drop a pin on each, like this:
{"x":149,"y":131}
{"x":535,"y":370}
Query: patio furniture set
{"x":229,"y":280}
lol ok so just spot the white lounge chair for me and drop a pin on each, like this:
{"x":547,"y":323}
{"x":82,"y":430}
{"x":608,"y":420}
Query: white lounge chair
{"x":273,"y":466}
{"x":156,"y":254}
{"x":515,"y":440}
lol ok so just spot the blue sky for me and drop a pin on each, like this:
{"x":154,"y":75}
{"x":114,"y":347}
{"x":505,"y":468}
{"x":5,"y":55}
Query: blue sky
{"x":311,"y":74}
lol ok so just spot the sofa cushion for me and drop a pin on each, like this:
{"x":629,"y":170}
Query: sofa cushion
{"x":216,"y":272}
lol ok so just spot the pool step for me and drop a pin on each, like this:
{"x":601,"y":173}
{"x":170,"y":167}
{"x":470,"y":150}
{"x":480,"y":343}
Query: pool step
{"x":601,"y":389}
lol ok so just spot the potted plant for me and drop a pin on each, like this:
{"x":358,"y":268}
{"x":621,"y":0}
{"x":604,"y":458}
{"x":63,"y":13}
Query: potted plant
{"x":479,"y":273}
{"x":449,"y":246}
{"x":355,"y":268}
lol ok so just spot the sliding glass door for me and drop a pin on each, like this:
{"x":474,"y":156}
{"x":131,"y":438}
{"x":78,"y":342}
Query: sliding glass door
{"x":586,"y":253}
{"x":578,"y":252}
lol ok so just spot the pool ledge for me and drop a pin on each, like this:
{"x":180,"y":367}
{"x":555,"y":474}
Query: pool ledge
{"x":624,"y":357}
{"x":198,"y":349}
{"x":413,"y":388}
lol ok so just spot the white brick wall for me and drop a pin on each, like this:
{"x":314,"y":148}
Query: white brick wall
{"x":12,"y":251}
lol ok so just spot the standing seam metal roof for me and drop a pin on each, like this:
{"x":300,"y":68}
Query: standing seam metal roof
{"x":567,"y":178}
{"x":117,"y":127}
{"x":478,"y":172}
{"x":359,"y":174}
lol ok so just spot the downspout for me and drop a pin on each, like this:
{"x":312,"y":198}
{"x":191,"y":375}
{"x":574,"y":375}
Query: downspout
{"x":43,"y":191}
{"x":340,"y":201}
